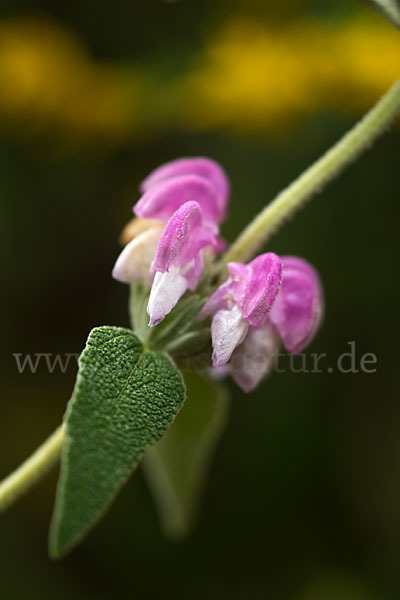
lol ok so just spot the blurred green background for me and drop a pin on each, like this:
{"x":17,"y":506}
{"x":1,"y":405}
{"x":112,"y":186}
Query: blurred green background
{"x":303,"y":499}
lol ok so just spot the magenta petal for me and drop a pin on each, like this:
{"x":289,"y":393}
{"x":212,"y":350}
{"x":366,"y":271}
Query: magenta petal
{"x":220,"y":299}
{"x":299,"y":264}
{"x":193,"y":271}
{"x":238,"y":271}
{"x":164,"y":198}
{"x":255,"y":357}
{"x":252,"y":287}
{"x":298,"y":310}
{"x":220,"y":244}
{"x":204,"y":167}
{"x":262,"y":288}
{"x":182,"y":239}
{"x":240,"y":277}
{"x":223,"y":297}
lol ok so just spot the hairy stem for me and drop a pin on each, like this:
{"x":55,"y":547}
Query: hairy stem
{"x":330,"y":165}
{"x":33,"y":469}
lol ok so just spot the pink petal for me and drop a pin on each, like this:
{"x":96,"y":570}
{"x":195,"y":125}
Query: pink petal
{"x":241,"y":278}
{"x":193,"y":271}
{"x":238,"y":271}
{"x":220,"y":299}
{"x":204,"y":167}
{"x":252,"y":287}
{"x":263,"y":286}
{"x":255,"y":357}
{"x":183,"y":237}
{"x":298,"y":310}
{"x":162,"y":199}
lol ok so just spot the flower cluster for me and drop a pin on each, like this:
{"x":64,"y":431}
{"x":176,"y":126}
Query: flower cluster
{"x":186,"y":201}
{"x":270,"y":299}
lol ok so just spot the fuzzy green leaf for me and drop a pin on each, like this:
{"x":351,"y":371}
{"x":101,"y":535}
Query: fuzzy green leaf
{"x":176,"y":467}
{"x":124,"y":400}
{"x":389,"y":8}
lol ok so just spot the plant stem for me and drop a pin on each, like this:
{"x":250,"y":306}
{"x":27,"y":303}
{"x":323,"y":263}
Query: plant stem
{"x":330,"y":165}
{"x":33,"y":469}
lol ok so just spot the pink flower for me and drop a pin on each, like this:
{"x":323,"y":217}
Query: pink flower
{"x":178,"y":262}
{"x":201,"y":179}
{"x":298,"y":310}
{"x":268,"y":299}
{"x":244,"y":300}
{"x":188,"y":197}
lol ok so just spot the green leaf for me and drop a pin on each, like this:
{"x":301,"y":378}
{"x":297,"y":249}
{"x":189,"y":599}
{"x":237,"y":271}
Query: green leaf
{"x":176,"y":467}
{"x":124,"y":400}
{"x":389,"y":8}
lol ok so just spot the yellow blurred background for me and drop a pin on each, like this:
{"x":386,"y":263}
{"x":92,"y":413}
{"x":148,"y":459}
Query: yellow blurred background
{"x":248,"y":77}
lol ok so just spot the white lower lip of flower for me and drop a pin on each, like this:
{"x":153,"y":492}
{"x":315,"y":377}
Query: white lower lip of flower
{"x":255,"y":357}
{"x":165,"y":292}
{"x":228,"y":330}
{"x":133,"y":264}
